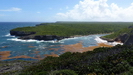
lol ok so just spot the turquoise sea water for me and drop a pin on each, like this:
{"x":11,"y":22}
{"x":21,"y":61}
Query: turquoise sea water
{"x":34,"y":48}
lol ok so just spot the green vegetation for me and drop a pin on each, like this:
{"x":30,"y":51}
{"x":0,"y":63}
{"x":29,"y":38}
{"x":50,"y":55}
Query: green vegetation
{"x":117,"y":60}
{"x":122,"y":31}
{"x":75,"y":28}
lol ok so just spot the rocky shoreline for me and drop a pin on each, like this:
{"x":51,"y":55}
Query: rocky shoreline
{"x":13,"y":66}
{"x":30,"y":35}
{"x":124,"y":38}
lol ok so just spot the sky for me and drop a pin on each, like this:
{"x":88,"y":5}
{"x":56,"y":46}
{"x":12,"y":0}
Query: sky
{"x":66,"y":10}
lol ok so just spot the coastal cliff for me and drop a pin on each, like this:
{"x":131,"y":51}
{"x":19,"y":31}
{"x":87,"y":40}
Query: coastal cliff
{"x":58,"y":31}
{"x":30,"y":35}
{"x":125,"y":36}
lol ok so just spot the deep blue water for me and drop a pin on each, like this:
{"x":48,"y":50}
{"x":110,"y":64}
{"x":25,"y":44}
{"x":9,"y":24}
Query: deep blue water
{"x":35,"y":48}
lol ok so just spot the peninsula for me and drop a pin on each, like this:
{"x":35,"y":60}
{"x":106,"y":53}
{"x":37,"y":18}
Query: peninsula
{"x":124,"y":35}
{"x":61,"y":30}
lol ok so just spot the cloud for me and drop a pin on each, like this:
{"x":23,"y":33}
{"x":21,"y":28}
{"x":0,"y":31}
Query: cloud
{"x":91,"y":10}
{"x":12,"y":9}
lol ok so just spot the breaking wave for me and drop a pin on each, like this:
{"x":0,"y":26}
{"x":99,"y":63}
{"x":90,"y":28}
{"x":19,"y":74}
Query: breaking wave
{"x":31,"y":40}
{"x":99,"y":40}
{"x":8,"y":35}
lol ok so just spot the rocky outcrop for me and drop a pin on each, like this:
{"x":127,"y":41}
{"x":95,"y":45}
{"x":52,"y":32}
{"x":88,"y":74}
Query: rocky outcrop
{"x":129,"y":40}
{"x":109,"y":40}
{"x":126,"y":38}
{"x":42,"y":37}
{"x":123,"y":37}
{"x":21,"y":33}
{"x":30,"y":35}
{"x":130,"y":27}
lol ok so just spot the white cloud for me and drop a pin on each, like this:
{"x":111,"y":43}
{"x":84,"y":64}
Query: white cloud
{"x":12,"y":9}
{"x":91,"y":10}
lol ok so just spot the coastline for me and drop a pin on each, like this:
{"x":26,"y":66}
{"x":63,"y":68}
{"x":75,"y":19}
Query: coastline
{"x":5,"y":55}
{"x":78,"y":47}
{"x":89,"y":35}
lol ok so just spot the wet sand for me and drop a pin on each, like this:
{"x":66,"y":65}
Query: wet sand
{"x":4,"y":55}
{"x":79,"y":47}
{"x":53,"y":55}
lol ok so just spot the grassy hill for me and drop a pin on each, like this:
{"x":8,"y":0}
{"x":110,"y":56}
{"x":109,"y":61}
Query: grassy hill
{"x":122,"y":31}
{"x":74,"y":28}
{"x":124,"y":35}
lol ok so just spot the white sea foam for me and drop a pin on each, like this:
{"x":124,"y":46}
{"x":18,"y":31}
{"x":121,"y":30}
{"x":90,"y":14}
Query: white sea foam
{"x":70,"y":38}
{"x":16,"y":39}
{"x":8,"y":35}
{"x":31,"y":40}
{"x":99,"y":40}
{"x":115,"y":43}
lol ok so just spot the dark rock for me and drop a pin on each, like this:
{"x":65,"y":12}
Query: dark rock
{"x":109,"y":40}
{"x":21,"y":33}
{"x":129,"y":41}
{"x":26,"y":37}
{"x":48,"y":37}
{"x":14,"y":66}
{"x":122,"y":37}
{"x":45,"y":37}
{"x":130,"y":27}
{"x":125,"y":38}
{"x":29,"y":35}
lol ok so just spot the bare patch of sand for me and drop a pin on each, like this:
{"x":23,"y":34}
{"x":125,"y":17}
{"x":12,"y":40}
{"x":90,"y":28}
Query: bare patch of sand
{"x":4,"y":55}
{"x":55,"y":49}
{"x":79,"y":47}
{"x":52,"y":54}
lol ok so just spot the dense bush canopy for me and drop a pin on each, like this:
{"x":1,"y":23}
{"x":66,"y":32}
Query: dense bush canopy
{"x":75,"y":28}
{"x":117,"y":33}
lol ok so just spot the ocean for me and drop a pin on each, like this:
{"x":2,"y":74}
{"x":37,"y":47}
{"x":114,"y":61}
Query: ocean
{"x":12,"y":48}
